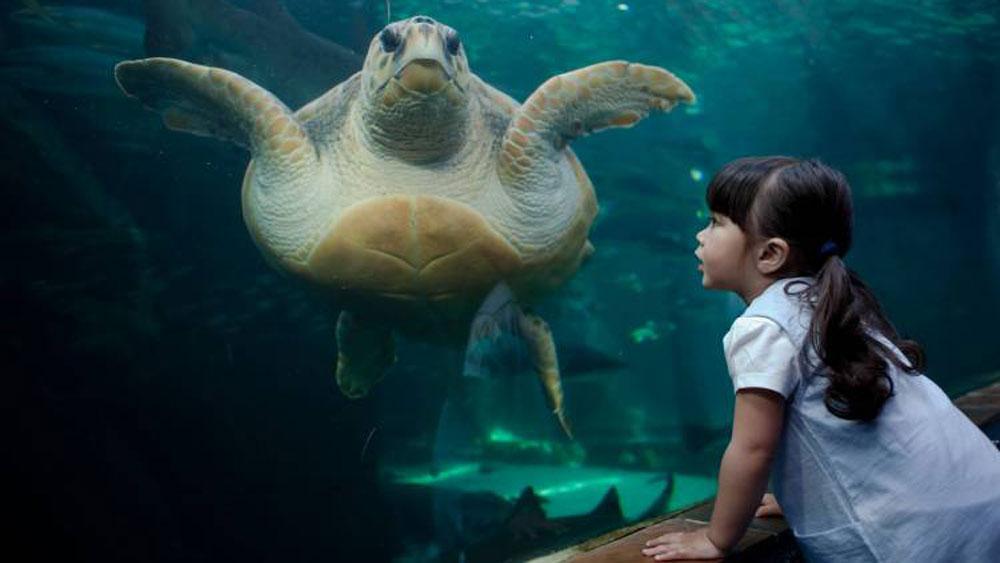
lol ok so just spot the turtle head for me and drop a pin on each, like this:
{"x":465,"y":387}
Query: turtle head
{"x":416,"y":57}
{"x":415,"y":87}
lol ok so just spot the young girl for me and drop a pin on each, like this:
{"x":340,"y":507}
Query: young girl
{"x":871,"y":460}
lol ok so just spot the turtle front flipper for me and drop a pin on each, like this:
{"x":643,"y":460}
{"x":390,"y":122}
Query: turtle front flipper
{"x":214,"y":102}
{"x":543,"y":357}
{"x":365,"y":350}
{"x":570,"y":105}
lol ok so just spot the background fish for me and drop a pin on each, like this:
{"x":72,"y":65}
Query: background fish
{"x":262,"y":42}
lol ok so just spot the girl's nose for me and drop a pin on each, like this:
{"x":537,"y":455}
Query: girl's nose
{"x":698,"y":236}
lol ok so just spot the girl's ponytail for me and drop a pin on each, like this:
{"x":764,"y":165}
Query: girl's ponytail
{"x":846,"y":317}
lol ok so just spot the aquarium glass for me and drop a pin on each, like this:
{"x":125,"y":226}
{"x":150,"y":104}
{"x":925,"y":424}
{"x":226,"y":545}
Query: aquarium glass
{"x":171,"y":346}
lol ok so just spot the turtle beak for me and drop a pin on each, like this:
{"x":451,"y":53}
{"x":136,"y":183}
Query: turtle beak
{"x":424,"y":66}
{"x":426,"y":76}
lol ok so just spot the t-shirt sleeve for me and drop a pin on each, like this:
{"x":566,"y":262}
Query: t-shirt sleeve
{"x":760,"y":355}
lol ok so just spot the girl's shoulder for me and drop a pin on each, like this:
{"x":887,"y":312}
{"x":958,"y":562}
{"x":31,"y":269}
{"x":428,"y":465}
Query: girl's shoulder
{"x":784,"y":302}
{"x":760,"y":354}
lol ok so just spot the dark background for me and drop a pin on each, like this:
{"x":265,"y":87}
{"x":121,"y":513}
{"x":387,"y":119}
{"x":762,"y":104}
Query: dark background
{"x":171,"y":398}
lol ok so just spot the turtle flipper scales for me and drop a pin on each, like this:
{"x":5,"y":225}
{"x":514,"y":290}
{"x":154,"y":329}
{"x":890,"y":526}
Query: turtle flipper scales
{"x":214,"y":102}
{"x":570,"y":105}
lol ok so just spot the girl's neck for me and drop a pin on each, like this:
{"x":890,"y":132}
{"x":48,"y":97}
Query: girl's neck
{"x":755,"y":286}
{"x":765,"y":282}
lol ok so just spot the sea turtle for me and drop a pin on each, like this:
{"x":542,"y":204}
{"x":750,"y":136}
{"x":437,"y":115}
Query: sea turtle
{"x":413,"y":189}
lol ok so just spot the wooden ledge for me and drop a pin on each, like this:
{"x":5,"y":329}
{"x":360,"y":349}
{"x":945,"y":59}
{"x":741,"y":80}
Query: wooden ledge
{"x":767,"y":539}
{"x":982,"y":406}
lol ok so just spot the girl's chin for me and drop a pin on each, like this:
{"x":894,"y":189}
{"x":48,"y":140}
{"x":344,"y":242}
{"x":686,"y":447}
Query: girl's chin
{"x":708,"y":283}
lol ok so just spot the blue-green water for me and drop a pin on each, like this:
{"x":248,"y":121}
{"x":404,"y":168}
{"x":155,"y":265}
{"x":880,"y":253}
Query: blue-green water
{"x":172,"y":396}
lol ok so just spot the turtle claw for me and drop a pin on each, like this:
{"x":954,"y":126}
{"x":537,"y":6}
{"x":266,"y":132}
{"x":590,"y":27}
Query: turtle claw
{"x":665,"y":89}
{"x":563,"y":423}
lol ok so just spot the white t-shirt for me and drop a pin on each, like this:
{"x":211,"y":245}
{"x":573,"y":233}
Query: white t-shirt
{"x":903,"y":487}
{"x":760,"y":354}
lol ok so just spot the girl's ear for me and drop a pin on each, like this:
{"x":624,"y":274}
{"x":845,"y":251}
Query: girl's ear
{"x":772,"y":255}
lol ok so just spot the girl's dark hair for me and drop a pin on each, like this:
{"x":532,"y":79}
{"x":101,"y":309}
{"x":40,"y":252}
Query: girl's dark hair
{"x":808,"y":204}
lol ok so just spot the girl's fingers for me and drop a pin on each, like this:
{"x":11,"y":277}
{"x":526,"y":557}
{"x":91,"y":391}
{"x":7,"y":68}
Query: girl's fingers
{"x":656,"y":549}
{"x":768,"y":509}
{"x":662,"y":539}
{"x":660,"y":552}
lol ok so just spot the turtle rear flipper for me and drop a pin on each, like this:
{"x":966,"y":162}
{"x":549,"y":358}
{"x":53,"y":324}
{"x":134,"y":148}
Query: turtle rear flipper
{"x":570,"y":105}
{"x":546,"y":364}
{"x":365,"y":351}
{"x":218,"y":103}
{"x":502,"y":335}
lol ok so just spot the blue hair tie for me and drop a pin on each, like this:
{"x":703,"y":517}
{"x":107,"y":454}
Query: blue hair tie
{"x":829,"y":248}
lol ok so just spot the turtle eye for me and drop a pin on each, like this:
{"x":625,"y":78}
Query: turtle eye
{"x":452,"y":43}
{"x":389,"y":39}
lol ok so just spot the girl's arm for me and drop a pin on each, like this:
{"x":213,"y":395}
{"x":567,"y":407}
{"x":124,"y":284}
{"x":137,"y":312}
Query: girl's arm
{"x":757,"y":421}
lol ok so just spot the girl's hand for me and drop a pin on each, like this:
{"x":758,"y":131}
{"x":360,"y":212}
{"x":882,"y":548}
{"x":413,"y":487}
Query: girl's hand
{"x":768,"y":507}
{"x":683,"y":545}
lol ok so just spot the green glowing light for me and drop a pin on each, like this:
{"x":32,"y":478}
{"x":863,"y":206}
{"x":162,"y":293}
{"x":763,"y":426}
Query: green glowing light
{"x":644,"y":333}
{"x":501,"y":436}
{"x":444,"y":475}
{"x":579,"y":485}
